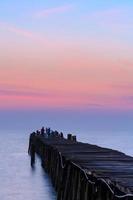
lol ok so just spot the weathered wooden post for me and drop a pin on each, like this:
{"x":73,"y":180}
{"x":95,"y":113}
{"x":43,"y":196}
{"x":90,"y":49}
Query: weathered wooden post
{"x":66,"y":189}
{"x":74,"y":138}
{"x":61,"y":135}
{"x":69,"y":137}
{"x":32,"y":153}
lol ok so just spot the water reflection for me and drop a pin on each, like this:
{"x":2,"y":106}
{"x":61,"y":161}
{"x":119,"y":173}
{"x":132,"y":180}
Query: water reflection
{"x":33,"y":168}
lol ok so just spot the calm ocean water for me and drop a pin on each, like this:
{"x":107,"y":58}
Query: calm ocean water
{"x":18,"y":181}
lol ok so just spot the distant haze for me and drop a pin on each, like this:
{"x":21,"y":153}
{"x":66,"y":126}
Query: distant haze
{"x":67,"y":121}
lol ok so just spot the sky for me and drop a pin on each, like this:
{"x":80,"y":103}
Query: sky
{"x":65,"y":56}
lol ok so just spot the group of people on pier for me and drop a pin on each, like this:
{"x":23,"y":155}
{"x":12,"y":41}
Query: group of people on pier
{"x":47,"y":133}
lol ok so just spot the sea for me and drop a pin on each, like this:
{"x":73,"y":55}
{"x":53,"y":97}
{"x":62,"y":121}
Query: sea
{"x":18,"y":181}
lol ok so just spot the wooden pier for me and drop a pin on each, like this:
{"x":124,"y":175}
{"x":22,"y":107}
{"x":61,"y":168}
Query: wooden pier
{"x":81,"y":171}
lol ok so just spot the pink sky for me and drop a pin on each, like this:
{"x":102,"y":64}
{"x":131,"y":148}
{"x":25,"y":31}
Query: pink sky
{"x":40,"y":68}
{"x":70,"y":78}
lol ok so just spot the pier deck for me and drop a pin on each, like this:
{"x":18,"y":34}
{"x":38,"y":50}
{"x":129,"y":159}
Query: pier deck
{"x":81,"y":171}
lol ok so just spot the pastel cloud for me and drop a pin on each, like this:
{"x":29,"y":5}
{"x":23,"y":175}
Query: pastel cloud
{"x":22,"y":32}
{"x":30,"y":93}
{"x":16,"y":30}
{"x":51,"y":93}
{"x":52,"y":11}
{"x":55,"y":98}
{"x":76,"y":98}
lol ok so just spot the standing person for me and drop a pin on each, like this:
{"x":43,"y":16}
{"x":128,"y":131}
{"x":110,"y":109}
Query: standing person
{"x":42,"y":131}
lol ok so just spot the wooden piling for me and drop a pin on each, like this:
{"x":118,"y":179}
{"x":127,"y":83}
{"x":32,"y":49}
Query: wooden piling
{"x":32,"y":153}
